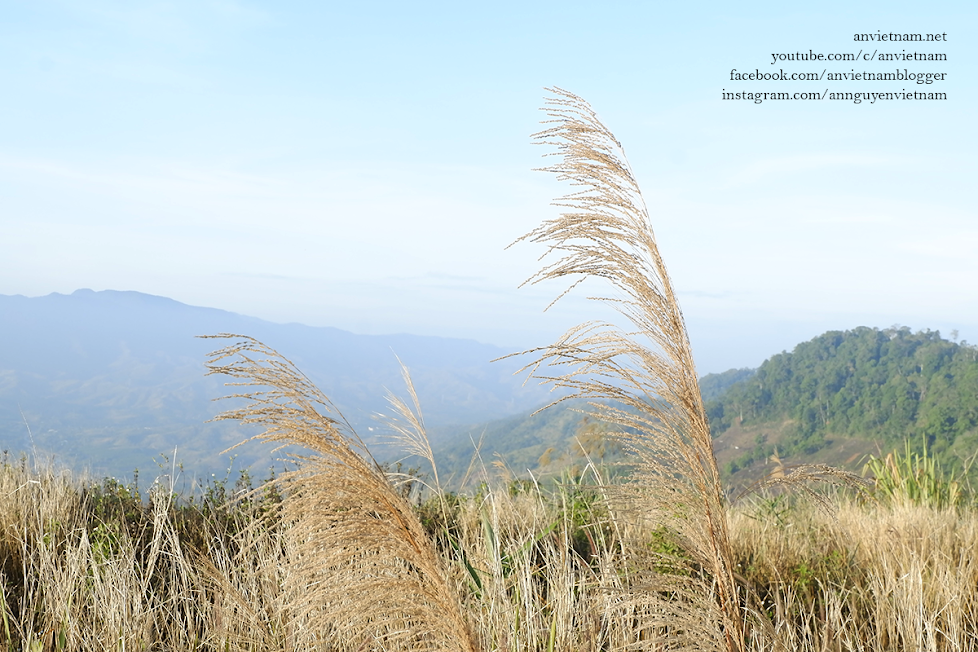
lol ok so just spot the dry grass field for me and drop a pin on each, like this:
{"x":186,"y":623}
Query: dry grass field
{"x":340,"y":554}
{"x":92,"y":567}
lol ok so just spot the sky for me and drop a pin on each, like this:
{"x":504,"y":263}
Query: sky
{"x":365,"y":165}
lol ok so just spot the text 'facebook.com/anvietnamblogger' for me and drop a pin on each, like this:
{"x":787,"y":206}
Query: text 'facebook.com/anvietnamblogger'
{"x":888,"y":67}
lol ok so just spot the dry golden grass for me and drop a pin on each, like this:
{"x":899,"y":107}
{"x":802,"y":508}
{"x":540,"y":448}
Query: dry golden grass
{"x":555,"y":570}
{"x":365,"y":566}
{"x":868,"y":577}
{"x":72,"y":581}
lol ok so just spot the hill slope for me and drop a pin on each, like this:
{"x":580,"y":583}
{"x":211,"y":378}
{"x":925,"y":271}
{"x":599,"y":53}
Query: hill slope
{"x":561,"y":438}
{"x":858,"y":390}
{"x":834,"y":400}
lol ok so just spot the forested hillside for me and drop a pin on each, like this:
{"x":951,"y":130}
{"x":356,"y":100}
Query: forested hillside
{"x":883,"y":386}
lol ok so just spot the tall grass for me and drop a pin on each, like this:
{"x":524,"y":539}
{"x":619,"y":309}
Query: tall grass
{"x":86,"y":566}
{"x":93,"y":567}
{"x":364,"y":566}
{"x":870,"y":576}
{"x":644,"y":376}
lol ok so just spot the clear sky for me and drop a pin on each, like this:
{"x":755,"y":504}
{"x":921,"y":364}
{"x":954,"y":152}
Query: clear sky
{"x":364,"y":164}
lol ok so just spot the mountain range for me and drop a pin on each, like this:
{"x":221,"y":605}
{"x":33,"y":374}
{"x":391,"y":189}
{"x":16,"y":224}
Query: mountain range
{"x":111,"y":380}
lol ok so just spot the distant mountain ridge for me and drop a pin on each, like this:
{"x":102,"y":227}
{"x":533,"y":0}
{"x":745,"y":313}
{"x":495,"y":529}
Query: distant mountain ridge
{"x":110,"y":379}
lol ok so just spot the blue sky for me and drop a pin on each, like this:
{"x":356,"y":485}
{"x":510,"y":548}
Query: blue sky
{"x":364,"y":165}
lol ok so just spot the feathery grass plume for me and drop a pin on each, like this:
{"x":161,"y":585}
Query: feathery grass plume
{"x":369,"y":571}
{"x":409,"y":432}
{"x":646,"y":374}
{"x":798,"y":478}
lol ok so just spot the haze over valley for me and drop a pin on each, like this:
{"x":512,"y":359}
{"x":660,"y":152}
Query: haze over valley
{"x":110,"y":382}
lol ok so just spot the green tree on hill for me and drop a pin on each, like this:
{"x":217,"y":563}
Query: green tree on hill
{"x":887,"y":385}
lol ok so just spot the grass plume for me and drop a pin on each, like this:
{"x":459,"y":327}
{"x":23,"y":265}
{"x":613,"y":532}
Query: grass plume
{"x":644,"y":377}
{"x":368,"y":570}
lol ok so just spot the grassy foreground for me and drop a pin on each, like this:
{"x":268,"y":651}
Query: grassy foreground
{"x":91,"y":567}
